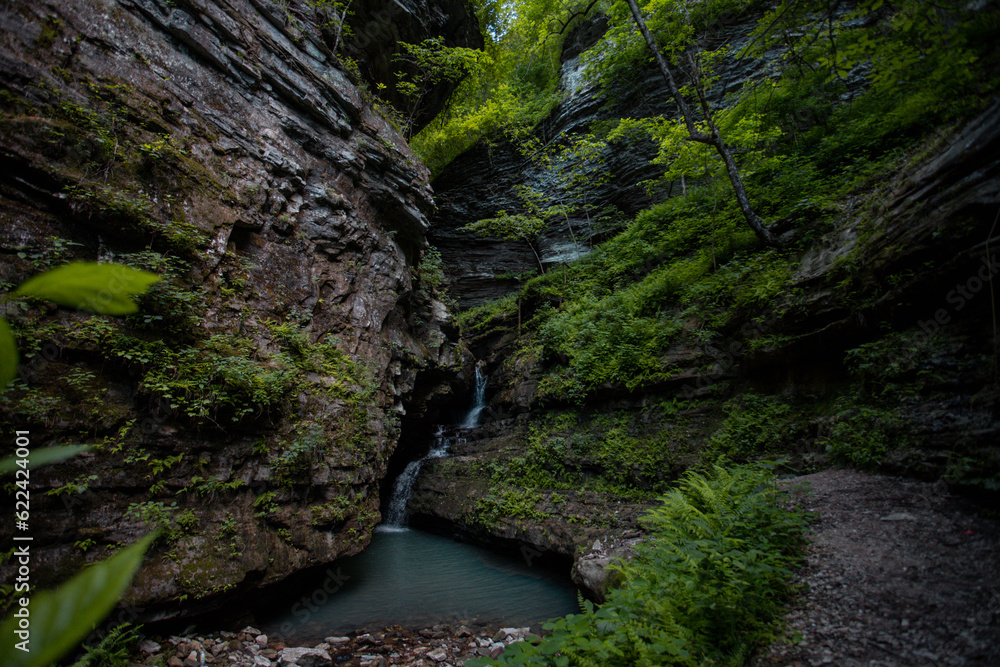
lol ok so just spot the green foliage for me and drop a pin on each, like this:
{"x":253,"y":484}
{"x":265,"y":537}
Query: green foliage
{"x":523,"y":226}
{"x":8,"y":355}
{"x":167,"y":520}
{"x":479,"y":318}
{"x":43,"y":456}
{"x":98,"y":288}
{"x":310,"y":442}
{"x":508,"y":503}
{"x":755,"y":427}
{"x":513,"y":88}
{"x":265,"y":503}
{"x":704,"y":588}
{"x":616,"y":338}
{"x":426,"y":65}
{"x":686,"y":270}
{"x":112,"y":650}
{"x":61,"y":618}
{"x":625,"y":454}
{"x":201,"y":382}
{"x":862,"y":434}
{"x":430,"y":271}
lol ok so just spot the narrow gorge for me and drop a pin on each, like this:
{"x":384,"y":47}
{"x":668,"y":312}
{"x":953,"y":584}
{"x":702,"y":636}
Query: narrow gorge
{"x":454,"y":325}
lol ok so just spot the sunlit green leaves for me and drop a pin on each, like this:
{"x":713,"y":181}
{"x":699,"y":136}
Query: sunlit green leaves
{"x":8,"y":355}
{"x":100,"y":288}
{"x":44,"y":456}
{"x":60,"y":619}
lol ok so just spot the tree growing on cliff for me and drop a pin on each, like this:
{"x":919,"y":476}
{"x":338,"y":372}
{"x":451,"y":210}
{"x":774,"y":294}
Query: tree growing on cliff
{"x":673,"y":19}
{"x":333,"y":14}
{"x":426,"y":65}
{"x":519,"y":226}
{"x":708,"y":133}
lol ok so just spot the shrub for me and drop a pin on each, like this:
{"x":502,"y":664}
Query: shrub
{"x":755,"y":426}
{"x":704,"y":587}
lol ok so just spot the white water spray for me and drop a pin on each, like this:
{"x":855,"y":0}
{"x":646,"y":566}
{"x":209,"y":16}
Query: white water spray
{"x":478,"y":402}
{"x":395,"y":513}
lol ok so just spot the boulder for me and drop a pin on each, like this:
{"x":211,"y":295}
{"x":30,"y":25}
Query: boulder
{"x":303,"y":657}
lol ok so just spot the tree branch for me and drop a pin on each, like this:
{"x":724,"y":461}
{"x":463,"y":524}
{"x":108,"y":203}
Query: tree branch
{"x":573,"y":15}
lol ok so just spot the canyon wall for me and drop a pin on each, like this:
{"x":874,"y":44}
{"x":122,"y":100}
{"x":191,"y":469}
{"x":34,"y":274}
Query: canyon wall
{"x":250,"y":408}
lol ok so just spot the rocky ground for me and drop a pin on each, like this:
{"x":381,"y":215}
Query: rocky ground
{"x":899,"y":573}
{"x":437,"y":646}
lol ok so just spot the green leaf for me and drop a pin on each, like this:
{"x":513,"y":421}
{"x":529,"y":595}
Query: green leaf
{"x":60,"y":619}
{"x":106,"y":289}
{"x":8,"y":355}
{"x":41,"y":457}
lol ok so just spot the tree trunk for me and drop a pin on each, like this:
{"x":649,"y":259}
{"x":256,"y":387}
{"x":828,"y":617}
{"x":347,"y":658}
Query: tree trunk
{"x":714,"y":139}
{"x":541,"y":269}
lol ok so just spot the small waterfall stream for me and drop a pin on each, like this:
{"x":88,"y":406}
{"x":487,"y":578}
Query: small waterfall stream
{"x":478,"y":402}
{"x":415,"y":579}
{"x":395,"y":512}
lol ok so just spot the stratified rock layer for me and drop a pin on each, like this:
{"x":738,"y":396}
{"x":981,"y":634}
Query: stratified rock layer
{"x":220,"y":143}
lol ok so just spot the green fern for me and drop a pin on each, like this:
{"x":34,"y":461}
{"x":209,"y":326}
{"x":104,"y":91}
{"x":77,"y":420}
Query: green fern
{"x":112,"y":650}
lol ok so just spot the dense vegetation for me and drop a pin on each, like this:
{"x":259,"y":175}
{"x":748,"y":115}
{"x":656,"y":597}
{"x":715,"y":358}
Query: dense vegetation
{"x":860,"y":93}
{"x":851,"y":94}
{"x":702,"y":590}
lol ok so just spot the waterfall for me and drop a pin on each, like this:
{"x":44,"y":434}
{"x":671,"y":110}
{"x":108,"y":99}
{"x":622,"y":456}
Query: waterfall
{"x":478,"y":402}
{"x":395,"y":513}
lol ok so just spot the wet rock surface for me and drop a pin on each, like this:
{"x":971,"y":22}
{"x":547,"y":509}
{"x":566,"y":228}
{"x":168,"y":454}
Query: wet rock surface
{"x":899,"y":574}
{"x":558,"y":528}
{"x":479,"y":183}
{"x":223,"y":138}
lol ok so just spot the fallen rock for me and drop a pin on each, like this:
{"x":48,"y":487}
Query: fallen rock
{"x":150,"y":647}
{"x":511,"y":635}
{"x":303,"y":657}
{"x":438,"y":654}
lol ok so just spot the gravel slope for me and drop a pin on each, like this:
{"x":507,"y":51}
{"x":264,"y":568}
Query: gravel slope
{"x":898,"y":572}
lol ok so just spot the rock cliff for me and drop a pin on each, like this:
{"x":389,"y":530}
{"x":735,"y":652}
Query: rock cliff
{"x":377,"y":26}
{"x":250,"y":408}
{"x":891,"y":299}
{"x":917,"y":298}
{"x":480,"y":182}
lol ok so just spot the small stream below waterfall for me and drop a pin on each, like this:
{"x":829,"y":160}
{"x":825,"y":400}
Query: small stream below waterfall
{"x":415,"y":579}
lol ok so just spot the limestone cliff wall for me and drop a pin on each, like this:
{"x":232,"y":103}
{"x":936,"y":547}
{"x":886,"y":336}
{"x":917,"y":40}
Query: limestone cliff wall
{"x":481,"y":181}
{"x":250,"y":409}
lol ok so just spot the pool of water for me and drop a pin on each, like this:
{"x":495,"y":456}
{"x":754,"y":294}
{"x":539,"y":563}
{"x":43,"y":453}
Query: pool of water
{"x":416,"y":579}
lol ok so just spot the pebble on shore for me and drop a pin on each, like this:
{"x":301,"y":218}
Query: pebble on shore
{"x":436,"y":646}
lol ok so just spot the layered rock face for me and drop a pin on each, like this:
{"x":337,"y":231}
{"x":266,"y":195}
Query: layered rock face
{"x":925,"y":257}
{"x":377,"y":26}
{"x":481,"y":181}
{"x":250,"y":408}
